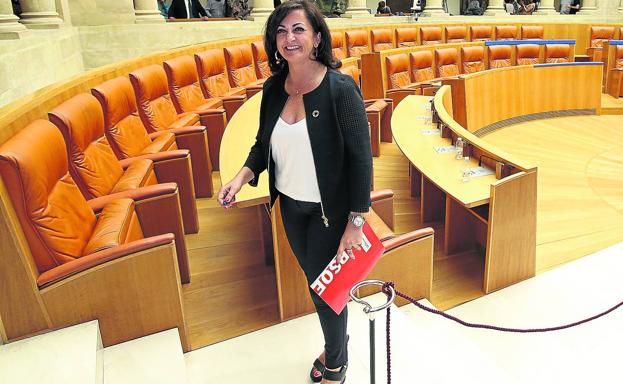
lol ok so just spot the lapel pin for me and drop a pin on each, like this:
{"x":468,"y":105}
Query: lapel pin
{"x":315,"y":113}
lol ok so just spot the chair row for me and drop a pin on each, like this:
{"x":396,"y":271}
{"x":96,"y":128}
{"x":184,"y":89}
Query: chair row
{"x":354,"y":43}
{"x":599,"y":35}
{"x":420,"y":71}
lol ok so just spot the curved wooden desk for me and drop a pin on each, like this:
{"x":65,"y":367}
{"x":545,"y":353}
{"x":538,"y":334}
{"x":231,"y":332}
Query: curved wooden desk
{"x":487,"y":215}
{"x":516,"y":94}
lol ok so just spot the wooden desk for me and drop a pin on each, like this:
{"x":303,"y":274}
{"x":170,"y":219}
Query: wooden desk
{"x":498,"y":215}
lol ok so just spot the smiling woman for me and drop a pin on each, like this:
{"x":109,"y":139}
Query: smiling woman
{"x":314,"y":141}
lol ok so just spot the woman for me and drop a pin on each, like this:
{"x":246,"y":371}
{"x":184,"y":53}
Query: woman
{"x":313,"y":139}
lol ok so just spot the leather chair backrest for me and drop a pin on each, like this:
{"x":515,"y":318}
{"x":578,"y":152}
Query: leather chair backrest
{"x":532,"y":32}
{"x":406,"y":37}
{"x":397,"y":69}
{"x":154,"y":104}
{"x":481,"y":32}
{"x":239,"y":64}
{"x":357,"y":43}
{"x":183,"y":82}
{"x":557,"y":53}
{"x":600,"y":34}
{"x":473,"y":59}
{"x":456,"y":33}
{"x":381,"y":39}
{"x":212,"y":75}
{"x":506,"y":32}
{"x":421,"y":66}
{"x":527,"y":54}
{"x":499,"y":56}
{"x":430,"y":35}
{"x":447,"y":62}
{"x":55,"y":217}
{"x":337,"y":45}
{"x":122,"y":125}
{"x":618,"y":56}
{"x":92,"y":163}
{"x":262,"y":70}
{"x":353,"y":71}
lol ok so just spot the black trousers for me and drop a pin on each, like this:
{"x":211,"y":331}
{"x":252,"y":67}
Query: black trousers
{"x":314,"y":245}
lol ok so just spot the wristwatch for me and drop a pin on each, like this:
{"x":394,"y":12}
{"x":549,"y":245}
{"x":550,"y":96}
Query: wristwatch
{"x":357,"y":220}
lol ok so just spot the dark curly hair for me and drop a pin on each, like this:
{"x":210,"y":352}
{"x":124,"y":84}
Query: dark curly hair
{"x":316,"y":20}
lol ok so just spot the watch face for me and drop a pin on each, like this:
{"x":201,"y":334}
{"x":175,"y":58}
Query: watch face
{"x":358,"y":221}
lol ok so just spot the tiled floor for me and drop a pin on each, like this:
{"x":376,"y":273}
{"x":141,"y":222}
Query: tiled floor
{"x":429,"y":349}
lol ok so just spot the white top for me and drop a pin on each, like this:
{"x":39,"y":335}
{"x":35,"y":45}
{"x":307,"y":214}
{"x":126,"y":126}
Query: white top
{"x":187,"y":2}
{"x":295,"y":174}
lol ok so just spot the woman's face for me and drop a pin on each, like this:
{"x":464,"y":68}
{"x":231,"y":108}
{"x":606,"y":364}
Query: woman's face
{"x":296,"y":38}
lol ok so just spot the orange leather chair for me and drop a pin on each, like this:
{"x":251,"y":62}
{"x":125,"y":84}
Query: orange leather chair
{"x":506,"y":32}
{"x":473,"y":59}
{"x":158,"y":113}
{"x":187,"y":97}
{"x":357,"y":43}
{"x":447,"y":61}
{"x":214,"y":82}
{"x":101,"y":177}
{"x":406,"y":37}
{"x":408,"y":75}
{"x":119,"y":267}
{"x":527,"y":54}
{"x":614,"y":86}
{"x":456,"y":33}
{"x":128,"y":137}
{"x":399,"y":83}
{"x":557,"y":53}
{"x":379,"y":111}
{"x":481,"y":32}
{"x":430,"y":35}
{"x":532,"y":32}
{"x":337,"y":45}
{"x":241,"y":70}
{"x":381,"y":39}
{"x":599,"y":35}
{"x":262,"y":70}
{"x":500,"y":56}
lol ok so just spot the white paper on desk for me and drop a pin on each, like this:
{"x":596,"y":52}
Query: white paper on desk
{"x":446,"y":149}
{"x":479,"y":171}
{"x":430,"y":132}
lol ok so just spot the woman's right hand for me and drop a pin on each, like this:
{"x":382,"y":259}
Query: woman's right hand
{"x":227,"y":194}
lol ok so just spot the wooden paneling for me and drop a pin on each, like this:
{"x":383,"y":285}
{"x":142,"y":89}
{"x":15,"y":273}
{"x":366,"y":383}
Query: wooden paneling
{"x":132,"y":296}
{"x":292,"y":288}
{"x":511,"y":243}
{"x":524,"y":90}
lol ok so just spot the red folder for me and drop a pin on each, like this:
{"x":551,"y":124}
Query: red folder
{"x":343,"y":272}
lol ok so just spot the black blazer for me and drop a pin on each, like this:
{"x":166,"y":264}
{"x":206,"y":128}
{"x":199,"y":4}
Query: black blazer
{"x":178,"y":9}
{"x":339,"y":136}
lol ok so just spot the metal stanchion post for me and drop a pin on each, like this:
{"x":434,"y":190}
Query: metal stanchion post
{"x":370,"y":311}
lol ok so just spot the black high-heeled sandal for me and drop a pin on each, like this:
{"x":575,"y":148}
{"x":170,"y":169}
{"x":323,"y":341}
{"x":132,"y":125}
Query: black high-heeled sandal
{"x":339,"y":376}
{"x":318,"y":368}
{"x":317,"y":371}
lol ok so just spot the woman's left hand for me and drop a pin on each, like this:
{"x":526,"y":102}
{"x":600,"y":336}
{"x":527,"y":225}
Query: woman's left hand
{"x":351,"y":238}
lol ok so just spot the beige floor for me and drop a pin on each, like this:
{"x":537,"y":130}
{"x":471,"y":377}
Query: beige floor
{"x":580,"y":182}
{"x":427,"y":348}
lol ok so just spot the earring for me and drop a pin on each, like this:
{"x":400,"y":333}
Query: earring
{"x":316,"y":52}
{"x":277,"y":59}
